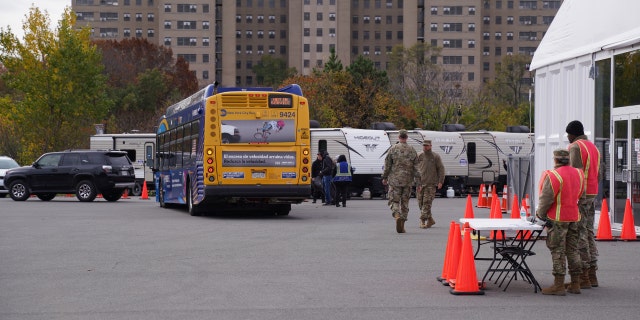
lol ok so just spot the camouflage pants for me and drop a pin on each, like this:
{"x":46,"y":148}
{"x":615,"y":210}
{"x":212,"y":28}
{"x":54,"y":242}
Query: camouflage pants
{"x":399,"y":201}
{"x":562,"y":241}
{"x":425,"y":200}
{"x":587,"y":243}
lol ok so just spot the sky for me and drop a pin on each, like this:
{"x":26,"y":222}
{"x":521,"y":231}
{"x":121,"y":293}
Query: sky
{"x":13,"y":12}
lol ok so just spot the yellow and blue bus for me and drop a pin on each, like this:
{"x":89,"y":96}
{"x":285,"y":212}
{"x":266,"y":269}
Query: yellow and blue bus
{"x":235,"y":148}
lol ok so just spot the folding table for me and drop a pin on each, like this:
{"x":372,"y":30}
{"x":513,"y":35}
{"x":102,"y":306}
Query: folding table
{"x":509,"y":253}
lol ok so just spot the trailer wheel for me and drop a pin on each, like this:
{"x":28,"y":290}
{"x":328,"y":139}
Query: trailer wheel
{"x":137,"y":189}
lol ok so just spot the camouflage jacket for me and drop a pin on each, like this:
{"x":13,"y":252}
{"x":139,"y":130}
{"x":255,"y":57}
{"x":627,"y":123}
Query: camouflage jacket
{"x":401,"y":166}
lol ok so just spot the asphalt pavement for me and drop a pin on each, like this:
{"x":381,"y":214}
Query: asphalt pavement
{"x":133,"y":260}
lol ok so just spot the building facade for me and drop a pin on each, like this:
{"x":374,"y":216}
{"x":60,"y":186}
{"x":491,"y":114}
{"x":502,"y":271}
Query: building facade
{"x":223,"y":39}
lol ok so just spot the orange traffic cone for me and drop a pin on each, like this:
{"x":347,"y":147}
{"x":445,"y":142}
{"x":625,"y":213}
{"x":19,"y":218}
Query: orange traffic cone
{"x":604,"y":224}
{"x":468,"y":212}
{"x":482,"y":197}
{"x":515,"y":213}
{"x":447,"y":253}
{"x":490,"y":192}
{"x":125,"y":194}
{"x":496,"y":213}
{"x":505,"y":200}
{"x":454,"y":257}
{"x":145,"y":192}
{"x":628,"y":225}
{"x":466,"y":282}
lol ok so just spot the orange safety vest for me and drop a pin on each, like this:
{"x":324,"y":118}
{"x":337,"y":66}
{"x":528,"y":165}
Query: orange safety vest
{"x":567,"y":183}
{"x":590,"y":157}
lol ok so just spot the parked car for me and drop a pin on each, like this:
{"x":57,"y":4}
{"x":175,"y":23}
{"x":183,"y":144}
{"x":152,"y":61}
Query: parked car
{"x":6,"y":163}
{"x":86,"y":173}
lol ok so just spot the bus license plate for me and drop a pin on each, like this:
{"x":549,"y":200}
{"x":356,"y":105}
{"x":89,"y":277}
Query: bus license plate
{"x":258,"y":175}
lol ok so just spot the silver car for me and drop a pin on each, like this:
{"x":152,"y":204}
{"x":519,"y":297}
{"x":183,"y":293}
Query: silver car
{"x":6,"y":163}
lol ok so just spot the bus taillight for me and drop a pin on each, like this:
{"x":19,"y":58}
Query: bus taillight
{"x":305,"y":161}
{"x":305,"y":169}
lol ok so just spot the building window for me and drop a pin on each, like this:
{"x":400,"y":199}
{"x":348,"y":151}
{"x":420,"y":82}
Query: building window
{"x":319,"y":16}
{"x":389,"y":35}
{"x":354,"y":35}
{"x":498,"y":35}
{"x":498,"y":51}
{"x":306,"y":47}
{"x":486,"y":19}
{"x":529,"y":5}
{"x":332,"y":16}
{"x":452,"y":59}
{"x":434,"y":27}
{"x":127,"y":32}
{"x":472,"y":27}
{"x":485,"y":66}
{"x":167,"y":24}
{"x":498,"y":19}
{"x":205,"y":8}
{"x":205,"y":25}
{"x":470,"y":76}
{"x":472,"y":11}
{"x":205,"y":58}
{"x":319,"y":32}
{"x":150,"y":17}
{"x":138,"y":16}
{"x":150,"y":33}
{"x":167,"y":41}
{"x":509,"y":35}
{"x":434,"y":11}
{"x":167,"y":7}
{"x":205,"y":42}
{"x":319,"y":47}
{"x":306,"y":32}
{"x":471,"y":43}
{"x":306,"y":16}
{"x":471,"y":60}
{"x":205,"y":74}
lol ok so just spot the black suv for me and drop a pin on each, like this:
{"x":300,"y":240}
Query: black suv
{"x":83,"y":172}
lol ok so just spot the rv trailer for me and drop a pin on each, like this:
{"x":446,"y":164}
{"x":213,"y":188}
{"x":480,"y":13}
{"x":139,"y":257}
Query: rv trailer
{"x":450,"y":147}
{"x":364,"y":149}
{"x":488,"y":155}
{"x":139,"y":147}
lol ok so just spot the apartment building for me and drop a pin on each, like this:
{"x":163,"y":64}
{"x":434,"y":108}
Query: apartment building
{"x":223,"y":39}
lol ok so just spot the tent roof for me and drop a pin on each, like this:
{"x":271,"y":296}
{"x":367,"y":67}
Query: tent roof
{"x":583,"y":27}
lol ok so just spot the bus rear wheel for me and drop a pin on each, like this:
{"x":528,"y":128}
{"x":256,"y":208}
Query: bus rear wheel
{"x":193,"y":209}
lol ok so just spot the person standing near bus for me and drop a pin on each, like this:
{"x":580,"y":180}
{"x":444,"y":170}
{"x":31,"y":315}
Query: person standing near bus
{"x":327,"y":175}
{"x":431,"y":179}
{"x":316,"y":179}
{"x":342,"y":180}
{"x":583,"y":154}
{"x":400,"y":173}
{"x":559,"y":192}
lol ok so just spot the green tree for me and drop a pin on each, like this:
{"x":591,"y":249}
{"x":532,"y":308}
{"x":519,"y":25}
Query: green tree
{"x":143,"y":80}
{"x":509,"y":85}
{"x":333,"y":64}
{"x":271,"y":71}
{"x":58,"y":90}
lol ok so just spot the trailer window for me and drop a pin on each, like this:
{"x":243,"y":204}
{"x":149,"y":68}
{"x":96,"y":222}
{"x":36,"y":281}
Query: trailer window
{"x":471,"y":152}
{"x":322,"y":146}
{"x":131,"y":154}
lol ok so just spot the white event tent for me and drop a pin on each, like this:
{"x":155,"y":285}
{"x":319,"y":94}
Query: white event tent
{"x":574,"y":81}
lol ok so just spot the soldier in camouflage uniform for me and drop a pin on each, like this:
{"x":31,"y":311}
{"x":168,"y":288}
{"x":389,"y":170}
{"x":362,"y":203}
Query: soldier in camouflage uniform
{"x":431,"y":179}
{"x":400,"y":173}
{"x":584,"y":155}
{"x":566,"y":184}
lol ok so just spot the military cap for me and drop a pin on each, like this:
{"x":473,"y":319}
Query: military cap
{"x":561,"y":154}
{"x":403,"y":133}
{"x":426,"y":142}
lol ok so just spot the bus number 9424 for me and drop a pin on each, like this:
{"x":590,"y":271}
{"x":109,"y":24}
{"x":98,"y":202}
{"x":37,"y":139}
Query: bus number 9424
{"x":287,"y":114}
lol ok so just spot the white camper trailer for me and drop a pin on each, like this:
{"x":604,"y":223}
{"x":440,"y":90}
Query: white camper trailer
{"x":488,"y":154}
{"x":450,"y":147}
{"x":365,"y":151}
{"x":139,"y":147}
